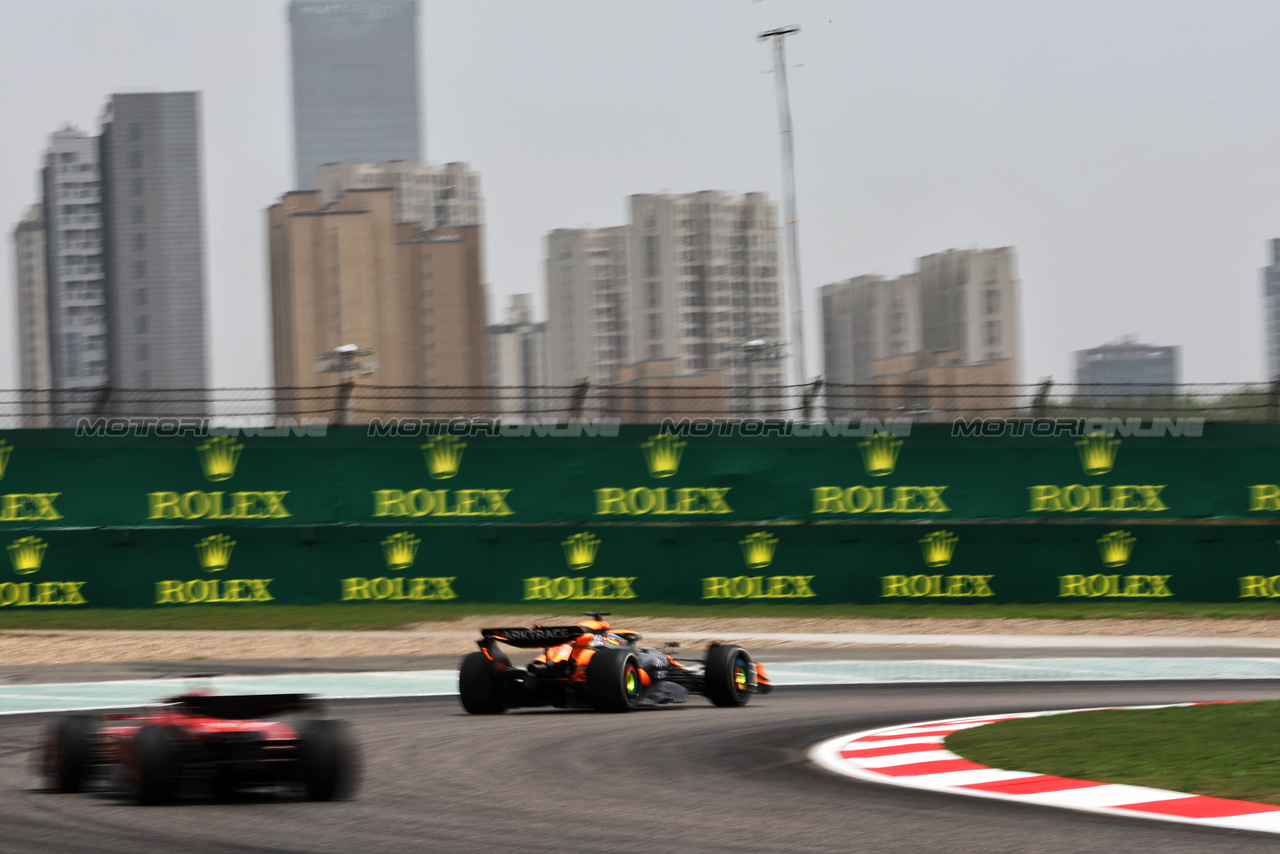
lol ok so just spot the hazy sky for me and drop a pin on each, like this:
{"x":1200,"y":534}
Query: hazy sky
{"x":1129,"y":149}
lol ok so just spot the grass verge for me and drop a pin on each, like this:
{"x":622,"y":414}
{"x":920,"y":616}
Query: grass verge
{"x":1217,"y":750}
{"x":391,"y":615}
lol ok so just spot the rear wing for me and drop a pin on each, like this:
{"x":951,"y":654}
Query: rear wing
{"x":537,"y":637}
{"x":242,"y":707}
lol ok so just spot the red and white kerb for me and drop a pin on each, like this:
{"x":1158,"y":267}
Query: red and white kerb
{"x":913,"y":756}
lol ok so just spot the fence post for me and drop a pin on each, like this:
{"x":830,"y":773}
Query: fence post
{"x":806,"y":403}
{"x":1040,"y":404}
{"x":579,"y":398}
{"x":100,"y":401}
{"x":346,"y":396}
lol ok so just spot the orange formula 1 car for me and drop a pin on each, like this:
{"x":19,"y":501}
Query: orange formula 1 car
{"x":590,"y":665}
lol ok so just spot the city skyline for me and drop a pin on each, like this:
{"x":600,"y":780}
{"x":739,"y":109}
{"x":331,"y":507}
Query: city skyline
{"x":1135,"y":186}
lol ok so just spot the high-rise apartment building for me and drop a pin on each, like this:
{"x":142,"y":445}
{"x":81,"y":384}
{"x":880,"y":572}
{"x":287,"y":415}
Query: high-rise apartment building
{"x":704,"y":282}
{"x":868,"y":318}
{"x":518,"y":360}
{"x":1271,"y":310}
{"x":1136,"y":369}
{"x":433,"y":196}
{"x":71,"y":185}
{"x":34,"y":371}
{"x":970,"y":303}
{"x":349,"y":273}
{"x":955,"y":320}
{"x":692,"y":278}
{"x":355,"y":83}
{"x":587,"y":303}
{"x":153,"y":243}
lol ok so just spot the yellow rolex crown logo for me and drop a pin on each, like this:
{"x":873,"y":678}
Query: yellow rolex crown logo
{"x":27,"y":554}
{"x":215,"y":552}
{"x":580,"y":550}
{"x":399,"y":550}
{"x":5,"y":450}
{"x":662,"y":454}
{"x":938,"y":548}
{"x":218,"y":457}
{"x":758,"y":549}
{"x":1115,"y":548}
{"x":443,"y":456}
{"x":880,"y":453}
{"x":1097,"y":452}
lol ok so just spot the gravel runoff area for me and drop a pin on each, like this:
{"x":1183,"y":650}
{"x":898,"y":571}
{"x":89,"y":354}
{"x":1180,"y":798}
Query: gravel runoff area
{"x":454,"y":637}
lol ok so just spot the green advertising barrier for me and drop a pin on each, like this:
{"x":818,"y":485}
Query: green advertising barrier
{"x":793,"y":564}
{"x":148,"y":521}
{"x":53,"y":479}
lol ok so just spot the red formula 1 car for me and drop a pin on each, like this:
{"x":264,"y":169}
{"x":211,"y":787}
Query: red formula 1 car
{"x":590,"y":665}
{"x":202,"y":742}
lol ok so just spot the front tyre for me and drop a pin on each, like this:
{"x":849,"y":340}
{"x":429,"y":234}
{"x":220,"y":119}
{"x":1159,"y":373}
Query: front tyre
{"x":328,"y":757}
{"x":479,"y":687}
{"x":728,"y":676}
{"x":613,"y":680}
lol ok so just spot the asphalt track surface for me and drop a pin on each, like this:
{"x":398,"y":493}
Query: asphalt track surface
{"x":688,"y":778}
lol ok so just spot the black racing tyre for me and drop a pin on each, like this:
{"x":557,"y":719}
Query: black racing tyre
{"x":613,"y":680}
{"x":157,"y":765}
{"x":224,"y":783}
{"x":480,"y":689}
{"x":728,"y":675}
{"x":330,"y":766}
{"x":70,"y":758}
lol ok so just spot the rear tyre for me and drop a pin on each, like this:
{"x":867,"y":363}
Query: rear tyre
{"x":728,"y":675}
{"x":224,"y":783}
{"x":70,"y":760}
{"x":613,"y":681}
{"x":157,"y":765}
{"x":480,"y":689}
{"x":329,"y":762}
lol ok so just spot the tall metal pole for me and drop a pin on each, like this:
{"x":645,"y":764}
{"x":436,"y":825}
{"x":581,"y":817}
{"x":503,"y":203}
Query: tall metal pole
{"x":789,"y":194}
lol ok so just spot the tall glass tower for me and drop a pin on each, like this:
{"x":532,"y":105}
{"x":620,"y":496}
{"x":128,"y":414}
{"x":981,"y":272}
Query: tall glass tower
{"x":355,"y":83}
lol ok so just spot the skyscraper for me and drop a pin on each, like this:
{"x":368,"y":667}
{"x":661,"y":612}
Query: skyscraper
{"x":153,"y":223}
{"x":355,"y":83}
